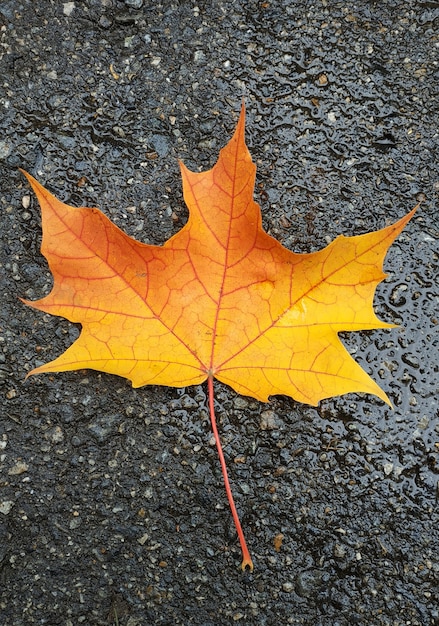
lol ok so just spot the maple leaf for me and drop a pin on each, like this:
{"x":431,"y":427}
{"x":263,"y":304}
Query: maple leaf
{"x":220,"y":299}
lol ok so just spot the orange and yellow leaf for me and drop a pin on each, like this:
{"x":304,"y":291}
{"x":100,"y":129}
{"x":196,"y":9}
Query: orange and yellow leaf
{"x":219,"y":299}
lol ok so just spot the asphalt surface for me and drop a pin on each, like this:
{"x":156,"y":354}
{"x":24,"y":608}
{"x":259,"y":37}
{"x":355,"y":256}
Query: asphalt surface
{"x":112,"y":508}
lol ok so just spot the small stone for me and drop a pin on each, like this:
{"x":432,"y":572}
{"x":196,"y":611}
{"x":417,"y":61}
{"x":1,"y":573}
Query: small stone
{"x":5,"y":149}
{"x":240,"y":403}
{"x":135,"y":4}
{"x":117,"y":130}
{"x":133,"y":621}
{"x":160,"y":145}
{"x":102,"y":428}
{"x":128,"y":41}
{"x":56,"y":435}
{"x":68,"y":8}
{"x":308,"y":583}
{"x":424,"y":422}
{"x":6,"y":506}
{"x":75,"y":523}
{"x":339,"y":551}
{"x":268,"y":420}
{"x":104,"y":21}
{"x":199,"y":56}
{"x":388,"y":468}
{"x":19,"y":468}
{"x":188,"y":403}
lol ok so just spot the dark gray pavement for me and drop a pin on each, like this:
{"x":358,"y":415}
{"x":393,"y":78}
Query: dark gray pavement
{"x":112,"y":508}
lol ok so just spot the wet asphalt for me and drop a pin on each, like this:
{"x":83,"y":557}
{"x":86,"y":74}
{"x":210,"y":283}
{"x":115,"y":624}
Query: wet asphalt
{"x":112,"y":508}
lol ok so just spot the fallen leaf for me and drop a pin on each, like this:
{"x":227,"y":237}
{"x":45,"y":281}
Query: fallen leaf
{"x":220,"y":299}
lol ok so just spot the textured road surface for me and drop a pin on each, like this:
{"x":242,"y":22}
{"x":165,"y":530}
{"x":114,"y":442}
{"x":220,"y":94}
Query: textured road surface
{"x":112,"y":508}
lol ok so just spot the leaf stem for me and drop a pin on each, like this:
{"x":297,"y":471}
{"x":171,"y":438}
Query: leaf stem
{"x":246,"y":558}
